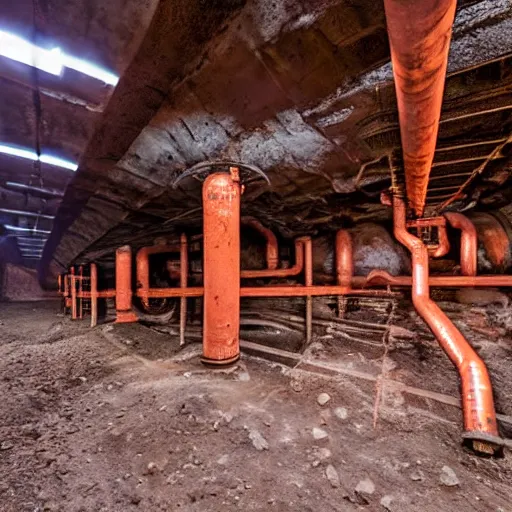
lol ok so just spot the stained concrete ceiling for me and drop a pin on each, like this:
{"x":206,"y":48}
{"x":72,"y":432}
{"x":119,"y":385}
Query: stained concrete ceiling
{"x":302,"y":90}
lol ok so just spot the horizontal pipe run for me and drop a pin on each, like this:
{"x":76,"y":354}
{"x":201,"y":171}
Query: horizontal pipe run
{"x":382,"y":278}
{"x":419,"y":37}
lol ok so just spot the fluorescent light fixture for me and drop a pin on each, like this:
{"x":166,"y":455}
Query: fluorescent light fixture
{"x":26,"y":245}
{"x":31,"y":155}
{"x":26,"y":230}
{"x":51,"y":61}
{"x":23,"y":239}
{"x":37,"y":190}
{"x":26,"y":214}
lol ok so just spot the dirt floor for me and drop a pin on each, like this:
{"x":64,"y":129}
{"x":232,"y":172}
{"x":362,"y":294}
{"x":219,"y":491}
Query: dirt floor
{"x":117,"y":419}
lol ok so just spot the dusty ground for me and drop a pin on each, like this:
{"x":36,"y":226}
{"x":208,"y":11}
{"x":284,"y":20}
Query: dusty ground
{"x":114,"y":419}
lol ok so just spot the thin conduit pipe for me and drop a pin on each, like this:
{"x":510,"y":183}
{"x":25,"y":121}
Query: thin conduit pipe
{"x":272,"y":249}
{"x":468,"y":242}
{"x":295,"y":270}
{"x":183,"y":285}
{"x":382,"y":277}
{"x":477,"y":401}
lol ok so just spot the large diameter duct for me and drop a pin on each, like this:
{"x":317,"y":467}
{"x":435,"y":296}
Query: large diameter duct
{"x":419,"y":36}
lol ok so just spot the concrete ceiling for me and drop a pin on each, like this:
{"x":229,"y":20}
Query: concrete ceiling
{"x":301,"y":89}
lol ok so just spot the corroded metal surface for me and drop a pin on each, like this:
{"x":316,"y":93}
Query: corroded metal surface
{"x":477,"y":399}
{"x":301,"y":89}
{"x":221,"y":268}
{"x":419,"y":34}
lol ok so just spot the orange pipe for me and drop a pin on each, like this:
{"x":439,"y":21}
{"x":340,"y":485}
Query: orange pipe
{"x":477,"y":401}
{"x":468,"y":242}
{"x":279,"y":272}
{"x":382,"y":277}
{"x":72,"y":281}
{"x":142,"y":269}
{"x":268,"y":291}
{"x":272,"y":252}
{"x":183,"y":285}
{"x":419,"y":37}
{"x":344,"y":259}
{"x":443,"y":246}
{"x":124,"y":313}
{"x":221,"y":268}
{"x":494,"y":238}
{"x":94,"y":294}
{"x":80,"y":290}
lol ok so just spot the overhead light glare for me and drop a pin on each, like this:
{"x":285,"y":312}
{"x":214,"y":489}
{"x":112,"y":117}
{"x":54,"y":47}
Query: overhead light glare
{"x":31,"y":155}
{"x":26,"y":230}
{"x":51,"y":61}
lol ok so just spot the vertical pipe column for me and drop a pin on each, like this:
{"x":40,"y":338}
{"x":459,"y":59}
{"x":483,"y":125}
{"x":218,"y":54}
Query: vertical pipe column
{"x":221,"y":268}
{"x":183,"y":284}
{"x":94,"y":294}
{"x":308,"y":281}
{"x":344,"y":267}
{"x":124,"y":313}
{"x":72,"y":280}
{"x":80,"y":290}
{"x":67,"y":299}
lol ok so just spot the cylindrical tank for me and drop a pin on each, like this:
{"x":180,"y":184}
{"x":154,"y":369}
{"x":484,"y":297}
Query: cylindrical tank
{"x":221,"y":269}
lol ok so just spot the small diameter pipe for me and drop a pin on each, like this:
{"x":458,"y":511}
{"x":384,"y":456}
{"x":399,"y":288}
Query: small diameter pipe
{"x":142,"y":270}
{"x":272,"y":250}
{"x":443,"y":246}
{"x":124,"y":313}
{"x":382,"y":277}
{"x":80,"y":290}
{"x":295,"y":270}
{"x":477,"y":401}
{"x":468,"y":242}
{"x":94,"y":294}
{"x":308,"y":281}
{"x":183,"y":285}
{"x":72,"y":281}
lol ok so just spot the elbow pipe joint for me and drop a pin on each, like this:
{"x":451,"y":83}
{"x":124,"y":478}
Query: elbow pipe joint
{"x":272,"y":251}
{"x":468,"y":242}
{"x":480,"y":422}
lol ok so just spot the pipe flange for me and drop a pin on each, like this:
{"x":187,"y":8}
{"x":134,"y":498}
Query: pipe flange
{"x":200,"y":171}
{"x":486,"y":444}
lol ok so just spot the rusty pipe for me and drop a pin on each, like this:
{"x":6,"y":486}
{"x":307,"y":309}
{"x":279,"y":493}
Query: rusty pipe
{"x":382,"y":277}
{"x":443,"y":245}
{"x":94,"y":294}
{"x":308,"y":281}
{"x":269,"y":291}
{"x":468,"y":242}
{"x":295,"y":270}
{"x":183,"y":285}
{"x":494,"y":238}
{"x":142,"y":269}
{"x":419,"y":37}
{"x":72,"y":285}
{"x":272,"y":249}
{"x":344,"y":259}
{"x":124,"y":313}
{"x":477,"y":401}
{"x":221,"y":268}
